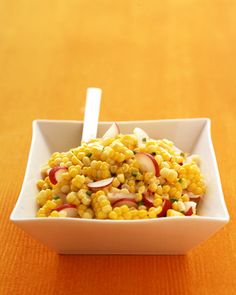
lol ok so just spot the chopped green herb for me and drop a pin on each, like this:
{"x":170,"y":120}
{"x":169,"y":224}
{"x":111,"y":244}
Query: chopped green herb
{"x":173,"y":200}
{"x":89,"y":155}
{"x":180,"y":180}
{"x":56,"y":198}
{"x":144,"y":139}
{"x":89,"y":193}
{"x":134,"y":152}
{"x":183,"y":212}
{"x":154,"y":153}
{"x":182,"y":154}
{"x":134,"y":173}
{"x":141,"y":203}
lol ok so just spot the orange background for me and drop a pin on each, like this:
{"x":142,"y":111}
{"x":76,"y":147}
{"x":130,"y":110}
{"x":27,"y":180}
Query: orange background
{"x":153,"y":59}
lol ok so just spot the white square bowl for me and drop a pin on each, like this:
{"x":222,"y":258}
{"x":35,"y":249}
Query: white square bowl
{"x":172,"y":235}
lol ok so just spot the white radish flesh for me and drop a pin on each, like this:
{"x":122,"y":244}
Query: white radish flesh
{"x":100,"y":183}
{"x":141,"y":135}
{"x":147,"y":163}
{"x":114,"y":197}
{"x":126,"y":202}
{"x":71,"y":212}
{"x":112,"y":132}
{"x":189,"y":205}
{"x":55,"y":174}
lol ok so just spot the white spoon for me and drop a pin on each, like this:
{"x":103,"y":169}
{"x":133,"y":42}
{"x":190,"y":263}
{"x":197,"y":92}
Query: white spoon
{"x":91,"y":114}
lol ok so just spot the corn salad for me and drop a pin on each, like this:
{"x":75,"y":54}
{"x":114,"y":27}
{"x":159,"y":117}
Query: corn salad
{"x":121,"y":177}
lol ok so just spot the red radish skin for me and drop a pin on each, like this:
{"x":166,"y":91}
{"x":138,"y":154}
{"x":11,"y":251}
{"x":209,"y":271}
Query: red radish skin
{"x":147,"y":163}
{"x":189,"y":212}
{"x":148,"y":199}
{"x":100,"y":183}
{"x":113,"y":131}
{"x":166,"y":206}
{"x":55,"y":174}
{"x":114,"y":197}
{"x":127,"y":202}
{"x":64,"y":206}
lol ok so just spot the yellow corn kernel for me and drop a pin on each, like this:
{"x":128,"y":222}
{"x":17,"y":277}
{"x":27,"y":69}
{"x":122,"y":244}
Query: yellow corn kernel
{"x":124,"y":208}
{"x":117,"y":210}
{"x":40,"y":183}
{"x":159,"y":190}
{"x":148,"y":176}
{"x":86,"y":200}
{"x":87,"y":215}
{"x":142,"y":213}
{"x":132,"y":188}
{"x":157,"y":200}
{"x":141,"y":189}
{"x":75,"y":160}
{"x":198,"y":191}
{"x":152,"y":187}
{"x":50,"y":205}
{"x":172,"y":212}
{"x":127,"y":215}
{"x":45,"y":186}
{"x":113,"y":215}
{"x":65,"y":189}
{"x":172,"y":192}
{"x":107,"y":209}
{"x":101,"y":215}
{"x":104,"y":202}
{"x":81,"y":209}
{"x":153,"y":212}
{"x":73,"y":172}
{"x":165,"y":189}
{"x":42,"y":197}
{"x":138,"y":197}
{"x":54,"y":213}
{"x":115,"y":182}
{"x":131,"y":182}
{"x":185,"y":198}
{"x":121,"y":178}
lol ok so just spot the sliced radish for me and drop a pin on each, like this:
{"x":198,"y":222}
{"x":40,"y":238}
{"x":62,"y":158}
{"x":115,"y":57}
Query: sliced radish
{"x":55,"y":174}
{"x":100,"y":183}
{"x":147,"y":163}
{"x":64,"y":206}
{"x":190,"y":207}
{"x":113,"y":131}
{"x":189,"y":212}
{"x":193,"y":197}
{"x":127,"y":202}
{"x":142,"y":136}
{"x":114,"y":197}
{"x":70,"y":210}
{"x":165,"y":206}
{"x":148,"y":199}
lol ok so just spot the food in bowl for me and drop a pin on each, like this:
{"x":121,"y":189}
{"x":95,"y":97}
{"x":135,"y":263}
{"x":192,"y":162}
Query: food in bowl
{"x":121,"y":177}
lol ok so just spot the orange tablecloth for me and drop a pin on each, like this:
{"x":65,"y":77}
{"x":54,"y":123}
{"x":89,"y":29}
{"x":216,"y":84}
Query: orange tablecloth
{"x":154,"y":60}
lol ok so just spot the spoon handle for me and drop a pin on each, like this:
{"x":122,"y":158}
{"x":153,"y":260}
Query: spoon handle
{"x":91,"y":114}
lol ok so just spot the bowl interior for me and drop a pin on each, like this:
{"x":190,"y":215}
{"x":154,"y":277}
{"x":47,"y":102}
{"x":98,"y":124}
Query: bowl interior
{"x":190,"y":135}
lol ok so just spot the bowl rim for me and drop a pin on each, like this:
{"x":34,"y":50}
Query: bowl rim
{"x":35,"y":123}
